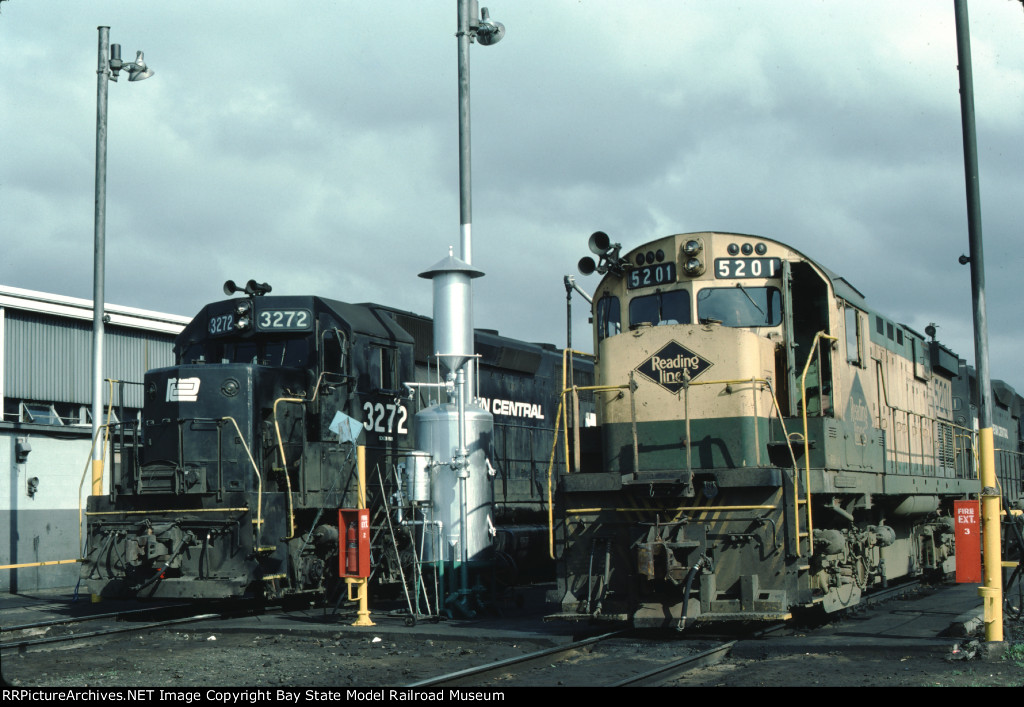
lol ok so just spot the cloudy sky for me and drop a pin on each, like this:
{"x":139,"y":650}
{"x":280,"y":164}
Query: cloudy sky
{"x":314,"y":146}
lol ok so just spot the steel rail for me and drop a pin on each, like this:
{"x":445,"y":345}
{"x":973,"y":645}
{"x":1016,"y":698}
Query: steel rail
{"x":20,"y":646}
{"x":84,"y":618}
{"x":546,"y":653}
{"x":673,"y":669}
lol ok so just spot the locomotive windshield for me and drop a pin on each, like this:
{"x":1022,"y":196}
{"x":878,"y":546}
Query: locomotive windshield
{"x":290,"y":353}
{"x":740,"y":306}
{"x":660,"y":308}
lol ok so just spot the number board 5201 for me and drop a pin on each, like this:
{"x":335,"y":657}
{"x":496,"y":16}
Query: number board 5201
{"x":747,"y":267}
{"x":284,"y":320}
{"x":651,"y":276}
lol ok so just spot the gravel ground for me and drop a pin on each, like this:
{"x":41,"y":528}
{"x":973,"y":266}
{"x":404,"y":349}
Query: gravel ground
{"x":928,"y":666}
{"x":196,"y":658}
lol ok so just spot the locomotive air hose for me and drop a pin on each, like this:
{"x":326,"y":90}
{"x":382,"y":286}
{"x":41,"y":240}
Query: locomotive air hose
{"x":160,"y":572}
{"x":686,"y":593}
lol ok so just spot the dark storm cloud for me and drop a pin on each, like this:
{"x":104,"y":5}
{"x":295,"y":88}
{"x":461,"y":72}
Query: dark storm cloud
{"x":316,"y":148}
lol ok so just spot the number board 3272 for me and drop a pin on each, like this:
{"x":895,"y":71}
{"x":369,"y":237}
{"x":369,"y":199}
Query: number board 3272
{"x":284,"y":320}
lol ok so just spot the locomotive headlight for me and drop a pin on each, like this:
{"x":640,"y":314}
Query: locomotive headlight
{"x":693,"y":267}
{"x":691,"y":248}
{"x":243,"y":315}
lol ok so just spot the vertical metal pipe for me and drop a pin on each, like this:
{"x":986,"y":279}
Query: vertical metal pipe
{"x":568,"y":312}
{"x":99,"y":234}
{"x":465,"y":157}
{"x":462,"y":473}
{"x":992,"y":589}
{"x":963,"y":45}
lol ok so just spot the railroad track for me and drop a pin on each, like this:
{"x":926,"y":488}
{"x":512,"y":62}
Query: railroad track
{"x":51,"y":633}
{"x":615,"y":659}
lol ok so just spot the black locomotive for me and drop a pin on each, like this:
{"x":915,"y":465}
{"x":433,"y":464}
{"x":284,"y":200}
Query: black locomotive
{"x":246,"y":448}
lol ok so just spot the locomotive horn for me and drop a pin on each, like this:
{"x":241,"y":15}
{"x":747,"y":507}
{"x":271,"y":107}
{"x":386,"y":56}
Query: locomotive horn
{"x":256,"y":289}
{"x":586,"y":266}
{"x":600,"y":243}
{"x":231,"y":288}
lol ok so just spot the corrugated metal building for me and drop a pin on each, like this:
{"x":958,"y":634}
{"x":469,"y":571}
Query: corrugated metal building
{"x":46,"y":391}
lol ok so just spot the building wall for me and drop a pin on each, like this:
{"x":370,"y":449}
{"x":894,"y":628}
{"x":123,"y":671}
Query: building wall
{"x":43,"y":526}
{"x":48,"y":358}
{"x":46,"y":348}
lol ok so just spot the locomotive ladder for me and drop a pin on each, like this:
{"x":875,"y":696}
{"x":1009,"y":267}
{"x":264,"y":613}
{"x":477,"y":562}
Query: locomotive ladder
{"x":806,"y":501}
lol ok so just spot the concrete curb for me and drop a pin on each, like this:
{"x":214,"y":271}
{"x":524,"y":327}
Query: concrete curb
{"x":966,"y":624}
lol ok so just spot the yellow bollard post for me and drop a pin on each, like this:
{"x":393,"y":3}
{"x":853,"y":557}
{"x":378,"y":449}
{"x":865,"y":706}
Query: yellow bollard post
{"x":992,"y":591}
{"x":97,"y":490}
{"x":363,"y":615}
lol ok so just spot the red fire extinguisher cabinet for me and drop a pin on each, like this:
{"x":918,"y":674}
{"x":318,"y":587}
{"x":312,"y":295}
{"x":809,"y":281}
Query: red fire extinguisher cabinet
{"x":354,"y":542}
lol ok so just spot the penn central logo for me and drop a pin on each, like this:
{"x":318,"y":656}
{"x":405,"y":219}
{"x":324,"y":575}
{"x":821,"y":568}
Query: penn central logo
{"x":670,"y":366}
{"x":182,"y":390}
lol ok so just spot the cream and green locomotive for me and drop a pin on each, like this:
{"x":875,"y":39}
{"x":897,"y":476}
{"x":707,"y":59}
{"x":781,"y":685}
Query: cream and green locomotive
{"x":766,"y":440}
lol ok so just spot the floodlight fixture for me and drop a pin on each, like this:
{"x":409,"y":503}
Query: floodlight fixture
{"x":109,"y":65}
{"x":137,"y":70}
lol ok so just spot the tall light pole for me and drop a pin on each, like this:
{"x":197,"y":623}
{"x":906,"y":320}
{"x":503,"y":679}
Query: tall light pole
{"x":486,"y":32}
{"x":992,"y":590}
{"x":471,"y":26}
{"x":107,"y":70}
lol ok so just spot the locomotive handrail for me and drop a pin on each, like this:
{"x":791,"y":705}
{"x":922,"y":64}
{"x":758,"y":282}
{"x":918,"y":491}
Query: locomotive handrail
{"x":567,"y":355}
{"x":563,"y":419}
{"x":782,"y":423}
{"x":284,"y":461}
{"x":259,"y":479}
{"x":884,"y":388}
{"x":240,"y":509}
{"x":561,"y":424}
{"x":807,"y":444}
{"x":757,"y":436}
{"x":284,"y":464}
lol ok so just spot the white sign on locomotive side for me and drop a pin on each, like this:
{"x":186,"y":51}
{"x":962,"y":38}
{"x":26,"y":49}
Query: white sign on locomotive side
{"x":512,"y":408}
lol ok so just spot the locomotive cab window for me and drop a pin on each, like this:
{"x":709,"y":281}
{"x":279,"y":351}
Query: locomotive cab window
{"x":854,"y":337}
{"x":671,"y":307}
{"x":334,"y":351}
{"x":609,"y":317}
{"x":740,"y":306}
{"x":385,"y":360}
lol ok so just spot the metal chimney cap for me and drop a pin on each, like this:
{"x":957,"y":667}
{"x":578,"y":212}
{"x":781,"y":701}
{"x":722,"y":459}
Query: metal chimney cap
{"x":451,"y":264}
